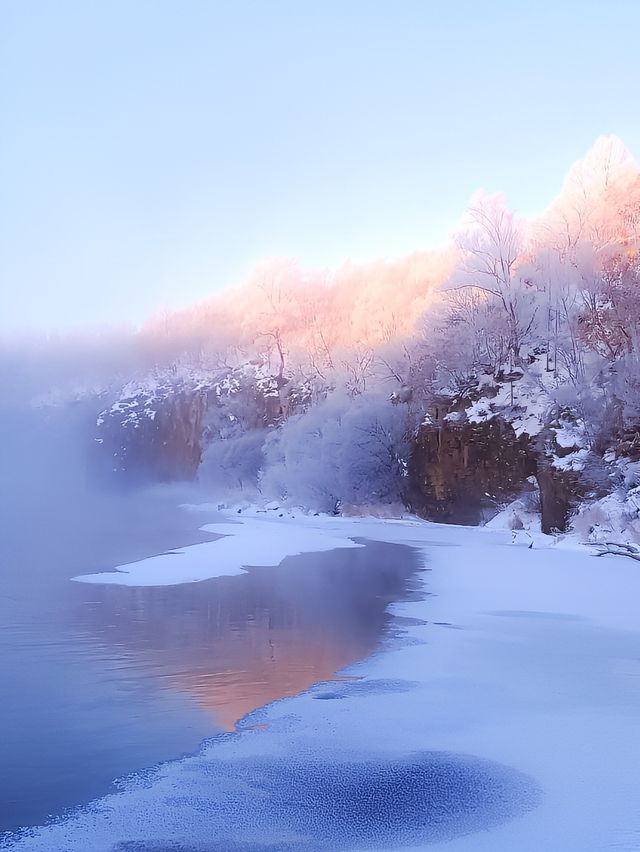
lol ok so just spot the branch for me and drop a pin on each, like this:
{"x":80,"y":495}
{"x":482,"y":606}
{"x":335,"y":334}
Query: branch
{"x":473,"y":287}
{"x":613,"y":548}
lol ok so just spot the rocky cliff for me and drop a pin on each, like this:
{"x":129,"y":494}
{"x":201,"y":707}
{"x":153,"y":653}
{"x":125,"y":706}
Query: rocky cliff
{"x":503,"y":436}
{"x":463,"y":472}
{"x":158,"y":428}
{"x":154,"y":430}
{"x":472,"y":453}
{"x":460,"y":472}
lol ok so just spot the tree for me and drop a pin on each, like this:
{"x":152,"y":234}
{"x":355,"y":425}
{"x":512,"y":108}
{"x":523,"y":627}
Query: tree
{"x":492,"y":245}
{"x":344,"y":450}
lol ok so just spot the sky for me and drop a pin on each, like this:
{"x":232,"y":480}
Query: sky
{"x":152,"y":152}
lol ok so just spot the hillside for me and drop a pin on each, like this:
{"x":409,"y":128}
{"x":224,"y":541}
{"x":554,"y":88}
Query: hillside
{"x":501,"y":367}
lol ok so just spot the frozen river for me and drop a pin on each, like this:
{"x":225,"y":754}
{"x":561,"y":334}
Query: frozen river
{"x":488,"y":704}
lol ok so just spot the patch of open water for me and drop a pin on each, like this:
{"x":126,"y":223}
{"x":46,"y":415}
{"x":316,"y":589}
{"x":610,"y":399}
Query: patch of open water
{"x":102,"y":680}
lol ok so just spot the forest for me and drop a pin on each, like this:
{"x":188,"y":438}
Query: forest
{"x":502,"y":366}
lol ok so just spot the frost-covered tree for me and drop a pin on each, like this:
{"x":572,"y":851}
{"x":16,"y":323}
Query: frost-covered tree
{"x":343,"y":451}
{"x":323,"y":378}
{"x":492,"y":244}
{"x":234,"y":464}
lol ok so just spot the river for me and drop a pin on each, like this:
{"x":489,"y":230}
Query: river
{"x":100,"y":681}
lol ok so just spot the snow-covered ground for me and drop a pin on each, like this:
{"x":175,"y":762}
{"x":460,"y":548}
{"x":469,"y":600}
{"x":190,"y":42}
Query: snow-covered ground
{"x":517,"y":675}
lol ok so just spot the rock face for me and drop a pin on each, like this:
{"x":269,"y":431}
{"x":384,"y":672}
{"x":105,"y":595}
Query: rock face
{"x":464,"y":463}
{"x":459,"y":473}
{"x":157,"y":429}
{"x":561,"y":454}
{"x":154,"y":433}
{"x":559,"y":493}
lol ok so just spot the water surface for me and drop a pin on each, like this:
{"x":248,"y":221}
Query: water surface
{"x":102,"y":680}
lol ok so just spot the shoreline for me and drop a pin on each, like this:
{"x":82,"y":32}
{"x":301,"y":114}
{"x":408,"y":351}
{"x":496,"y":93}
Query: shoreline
{"x":522,"y":658}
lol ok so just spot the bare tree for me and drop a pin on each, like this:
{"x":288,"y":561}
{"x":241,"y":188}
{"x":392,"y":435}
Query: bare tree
{"x":492,"y":245}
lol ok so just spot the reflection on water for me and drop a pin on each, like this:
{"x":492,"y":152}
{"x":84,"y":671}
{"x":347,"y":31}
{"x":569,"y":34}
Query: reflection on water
{"x":236,"y":643}
{"x":99,"y":681}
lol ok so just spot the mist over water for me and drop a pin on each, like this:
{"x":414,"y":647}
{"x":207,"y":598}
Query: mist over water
{"x":68,"y":725}
{"x":101,"y":681}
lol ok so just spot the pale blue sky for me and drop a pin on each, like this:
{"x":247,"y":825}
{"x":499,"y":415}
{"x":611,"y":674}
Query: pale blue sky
{"x":154,"y":150}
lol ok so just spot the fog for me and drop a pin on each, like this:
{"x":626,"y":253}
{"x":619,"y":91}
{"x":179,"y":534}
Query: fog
{"x":309,"y":385}
{"x":54,"y":498}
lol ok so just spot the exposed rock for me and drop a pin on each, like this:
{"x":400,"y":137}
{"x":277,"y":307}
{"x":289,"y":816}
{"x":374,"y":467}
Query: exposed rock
{"x":460,"y":472}
{"x":471,"y":455}
{"x":562,"y":453}
{"x":154,"y":433}
{"x":559,"y":494}
{"x":157,"y":429}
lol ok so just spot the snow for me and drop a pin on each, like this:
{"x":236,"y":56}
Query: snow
{"x":614,"y":517}
{"x":574,"y":461}
{"x":521,"y":517}
{"x":251,"y":541}
{"x":523,"y":402}
{"x":480,"y":411}
{"x":525,"y":657}
{"x":570,"y":435}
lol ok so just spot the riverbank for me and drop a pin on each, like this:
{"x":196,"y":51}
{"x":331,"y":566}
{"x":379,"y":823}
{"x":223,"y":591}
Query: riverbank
{"x":519,"y":673}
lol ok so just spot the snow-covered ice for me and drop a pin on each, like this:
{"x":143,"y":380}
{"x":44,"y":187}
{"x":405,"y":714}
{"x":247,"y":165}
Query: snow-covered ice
{"x":519,"y":673}
{"x":251,"y":542}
